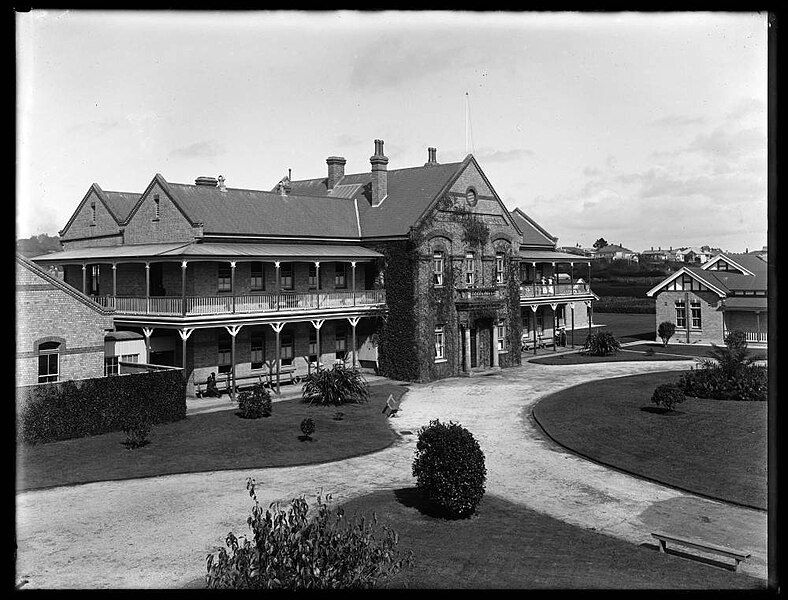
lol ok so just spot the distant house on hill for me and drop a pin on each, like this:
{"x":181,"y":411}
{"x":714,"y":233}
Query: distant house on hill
{"x":616,"y":252}
{"x":656,"y":255}
{"x":694,"y":255}
{"x":726,"y":293}
{"x":577,"y":250}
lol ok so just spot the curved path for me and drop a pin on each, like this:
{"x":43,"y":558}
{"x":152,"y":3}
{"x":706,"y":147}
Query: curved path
{"x":156,"y":532}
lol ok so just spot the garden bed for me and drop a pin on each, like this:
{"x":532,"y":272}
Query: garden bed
{"x":213,"y":442}
{"x":577,"y":358}
{"x":715,"y":448}
{"x":509,"y":546}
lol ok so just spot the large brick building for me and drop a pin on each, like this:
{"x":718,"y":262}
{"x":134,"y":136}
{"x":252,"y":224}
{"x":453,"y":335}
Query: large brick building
{"x":726,"y":293}
{"x":418,"y":272}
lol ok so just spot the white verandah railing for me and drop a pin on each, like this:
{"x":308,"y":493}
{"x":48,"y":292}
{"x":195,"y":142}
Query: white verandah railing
{"x":242,"y":304}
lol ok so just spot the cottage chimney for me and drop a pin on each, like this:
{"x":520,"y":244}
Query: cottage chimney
{"x":431,"y":159}
{"x":220,"y":184}
{"x":284,"y":187}
{"x":206,"y":181}
{"x":379,"y":174}
{"x":336,"y":170}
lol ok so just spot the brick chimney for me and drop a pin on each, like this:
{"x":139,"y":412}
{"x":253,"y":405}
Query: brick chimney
{"x":220,"y":184}
{"x":431,"y":160}
{"x":336,"y":170}
{"x":379,"y":174}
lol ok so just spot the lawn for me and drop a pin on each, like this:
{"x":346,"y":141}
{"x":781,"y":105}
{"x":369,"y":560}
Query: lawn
{"x":689,"y":350}
{"x":712,"y":447}
{"x":212,"y":442}
{"x":581,"y":359}
{"x":509,"y":546}
{"x":628,"y":327}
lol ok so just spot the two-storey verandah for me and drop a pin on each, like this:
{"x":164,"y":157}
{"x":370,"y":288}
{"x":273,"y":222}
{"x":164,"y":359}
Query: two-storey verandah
{"x":555,"y":292}
{"x":280,"y":285}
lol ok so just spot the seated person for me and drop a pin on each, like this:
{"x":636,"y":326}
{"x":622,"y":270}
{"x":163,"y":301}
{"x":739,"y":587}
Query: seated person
{"x":210,"y":385}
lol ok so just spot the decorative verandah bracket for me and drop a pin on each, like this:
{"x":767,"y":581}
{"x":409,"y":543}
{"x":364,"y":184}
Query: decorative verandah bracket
{"x":185,"y":334}
{"x":277,"y":327}
{"x":317,"y":324}
{"x":147,"y":332}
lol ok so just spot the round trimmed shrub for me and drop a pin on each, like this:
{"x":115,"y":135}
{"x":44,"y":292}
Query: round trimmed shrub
{"x":255,"y":403}
{"x":668,"y":395}
{"x":665,"y":331}
{"x":449,"y":468}
{"x":308,"y":427}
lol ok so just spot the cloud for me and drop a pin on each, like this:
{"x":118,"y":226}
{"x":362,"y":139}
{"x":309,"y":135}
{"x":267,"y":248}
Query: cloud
{"x":591,"y":172}
{"x":677,"y":121}
{"x":724,"y":143}
{"x":745,"y":108}
{"x":96,"y":127}
{"x":204,"y":149}
{"x":489,"y":155}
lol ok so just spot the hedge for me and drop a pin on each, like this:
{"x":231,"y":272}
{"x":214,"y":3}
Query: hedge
{"x":619,"y":304}
{"x":72,"y":409}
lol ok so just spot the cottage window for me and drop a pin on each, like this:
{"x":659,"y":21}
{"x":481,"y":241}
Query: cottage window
{"x":501,"y":336}
{"x":440,"y":348}
{"x":130,"y":358}
{"x":111,"y":366}
{"x":224,"y":348}
{"x":470,"y":269}
{"x":437,"y":269}
{"x":258,"y":350}
{"x":681,"y":314}
{"x":499,"y":276}
{"x":340,"y":276}
{"x":286,"y":345}
{"x":286,"y":276}
{"x":156,"y":213}
{"x":341,"y":341}
{"x":258,"y":276}
{"x":48,"y":361}
{"x":695,"y":313}
{"x":314,"y":279}
{"x":225,"y":278}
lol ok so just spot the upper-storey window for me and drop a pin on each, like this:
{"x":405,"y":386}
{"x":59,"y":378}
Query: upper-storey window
{"x":225,"y":278}
{"x":499,"y":272}
{"x":340,"y":276}
{"x":156,"y":212}
{"x":92,"y":213}
{"x":470,"y":197}
{"x":286,"y":276}
{"x":437,"y":269}
{"x":470,"y":268}
{"x":314,"y":277}
{"x":48,"y":361}
{"x":258,"y":276}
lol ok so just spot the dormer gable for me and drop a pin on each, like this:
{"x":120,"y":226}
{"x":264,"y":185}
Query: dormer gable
{"x":92,"y":217}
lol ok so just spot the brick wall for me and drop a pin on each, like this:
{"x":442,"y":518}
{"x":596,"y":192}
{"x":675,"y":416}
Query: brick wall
{"x":711,"y":316}
{"x":46,"y":311}
{"x":83,"y":226}
{"x":171,"y":226}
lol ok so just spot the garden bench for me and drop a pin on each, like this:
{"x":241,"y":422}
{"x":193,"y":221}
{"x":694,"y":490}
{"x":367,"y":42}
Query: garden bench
{"x":736,"y":555}
{"x":392,"y":406}
{"x":286,"y":373}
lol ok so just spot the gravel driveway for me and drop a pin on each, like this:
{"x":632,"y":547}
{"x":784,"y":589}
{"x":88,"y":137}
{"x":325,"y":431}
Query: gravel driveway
{"x":156,"y":532}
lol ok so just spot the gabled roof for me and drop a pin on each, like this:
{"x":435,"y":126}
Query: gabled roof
{"x":120,"y":204}
{"x":613,"y":248}
{"x":698,"y":275}
{"x":725,"y":282}
{"x":111,"y":205}
{"x":410,"y":193}
{"x":63,"y":286}
{"x":728,"y":259}
{"x":533,"y":233}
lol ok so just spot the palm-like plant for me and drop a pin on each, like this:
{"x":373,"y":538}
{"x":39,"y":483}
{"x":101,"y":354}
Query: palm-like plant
{"x":334,"y":387}
{"x":734,"y":357}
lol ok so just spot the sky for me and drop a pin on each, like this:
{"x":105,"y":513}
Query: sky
{"x":645,"y":129}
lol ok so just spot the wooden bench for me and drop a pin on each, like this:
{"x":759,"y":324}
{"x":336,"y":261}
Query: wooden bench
{"x":392,"y":406}
{"x":736,"y":555}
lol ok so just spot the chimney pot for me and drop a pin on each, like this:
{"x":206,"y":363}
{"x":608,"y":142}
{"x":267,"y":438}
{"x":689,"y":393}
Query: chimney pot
{"x":336,"y":170}
{"x":379,"y":174}
{"x":431,"y":157}
{"x":220,"y":184}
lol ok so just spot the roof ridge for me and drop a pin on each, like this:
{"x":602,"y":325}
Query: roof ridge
{"x":389,"y":171}
{"x":191,"y":185}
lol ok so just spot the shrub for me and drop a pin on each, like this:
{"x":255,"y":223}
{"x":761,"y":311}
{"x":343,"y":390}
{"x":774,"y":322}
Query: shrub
{"x":449,"y":468}
{"x":668,"y":395}
{"x":601,"y":343}
{"x":308,"y":427}
{"x":72,"y":409}
{"x":255,"y":403}
{"x":290,"y":551}
{"x":736,"y":339}
{"x":624,"y":304}
{"x":665,"y":331}
{"x":336,"y":386}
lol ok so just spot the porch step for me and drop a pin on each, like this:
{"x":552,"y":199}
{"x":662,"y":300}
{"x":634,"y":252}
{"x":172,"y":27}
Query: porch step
{"x":482,"y":371}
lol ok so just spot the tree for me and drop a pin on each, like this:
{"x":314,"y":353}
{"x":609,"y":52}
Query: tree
{"x":665,"y":331}
{"x":600,"y":243}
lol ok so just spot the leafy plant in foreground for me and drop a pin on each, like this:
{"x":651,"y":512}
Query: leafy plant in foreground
{"x":334,"y":387}
{"x":291,"y":551}
{"x":668,"y":395}
{"x":665,"y":331}
{"x":601,"y":343}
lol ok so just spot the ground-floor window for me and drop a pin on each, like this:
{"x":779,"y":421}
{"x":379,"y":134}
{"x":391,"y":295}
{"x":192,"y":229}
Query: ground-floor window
{"x":110,"y":366}
{"x":130,"y":358}
{"x":48,"y":361}
{"x":527,"y":321}
{"x":681,"y":314}
{"x":560,"y":315}
{"x":287,"y":348}
{"x":224,"y":349}
{"x":539,"y":322}
{"x":695,"y":313}
{"x":340,"y":341}
{"x":258,"y":350}
{"x":313,"y":345}
{"x":501,"y":336}
{"x":440,"y":348}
